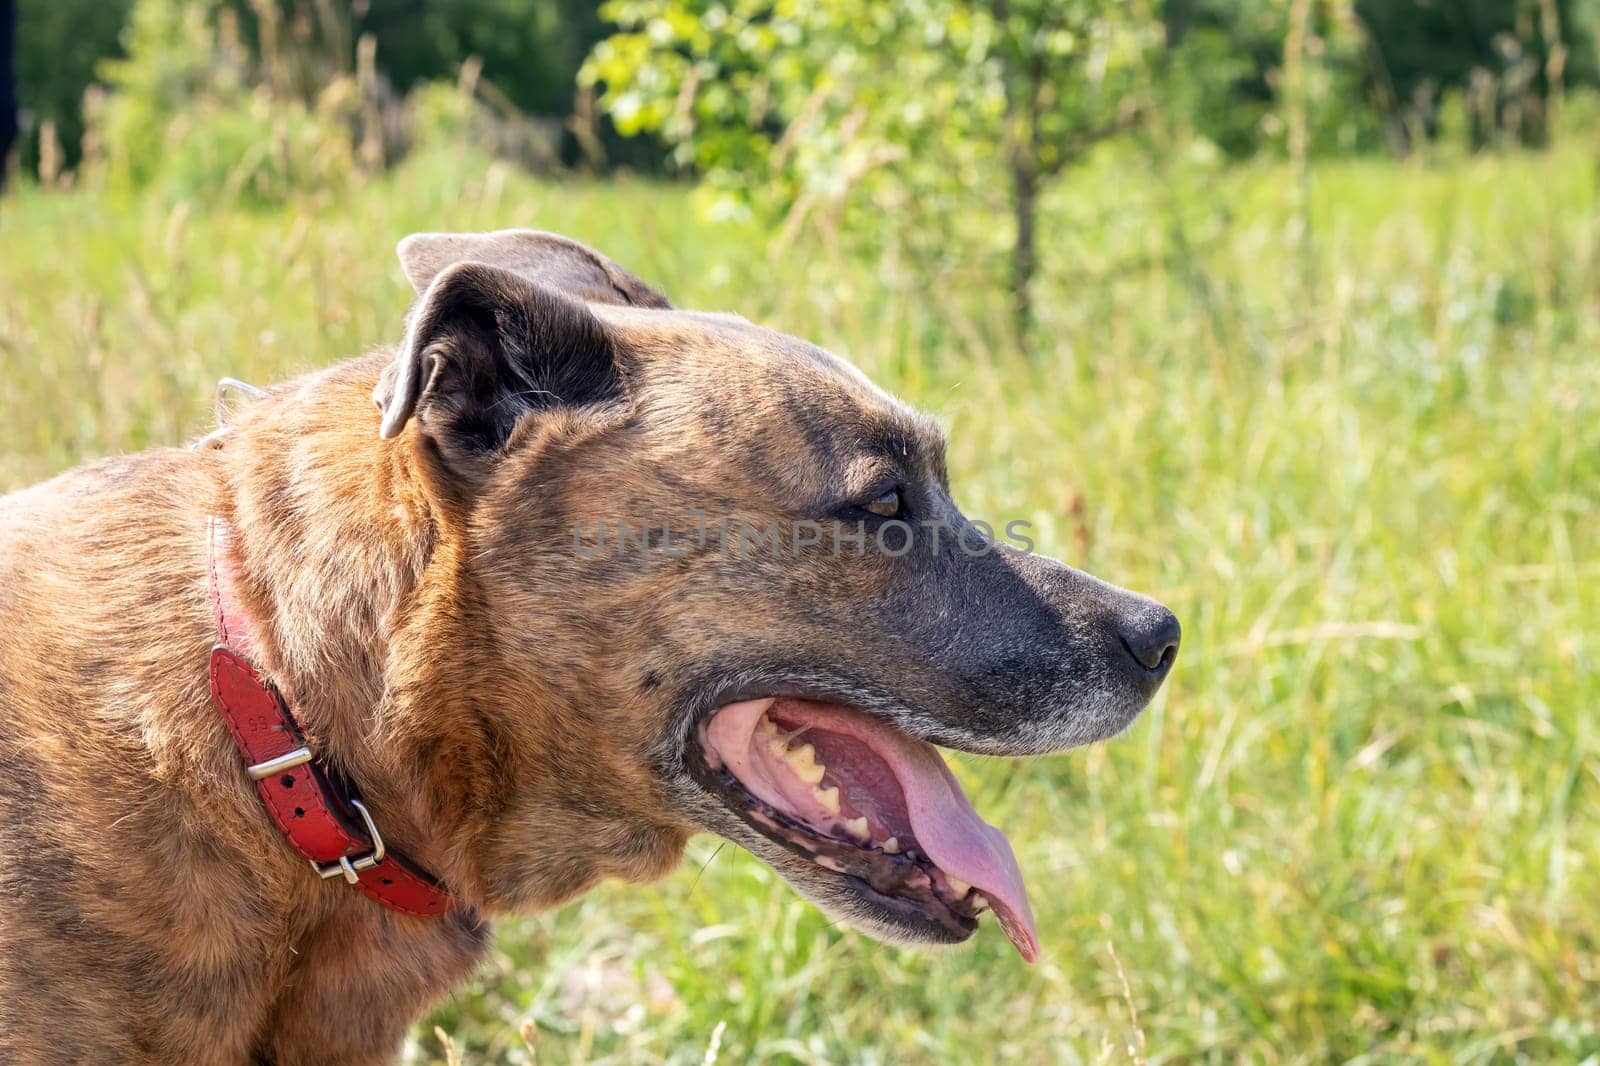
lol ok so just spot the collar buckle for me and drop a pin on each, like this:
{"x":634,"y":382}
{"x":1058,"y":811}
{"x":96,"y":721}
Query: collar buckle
{"x":287,"y":761}
{"x":349,"y":868}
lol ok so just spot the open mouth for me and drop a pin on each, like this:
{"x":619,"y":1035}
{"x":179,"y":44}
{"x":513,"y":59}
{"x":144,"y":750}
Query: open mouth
{"x":857,"y":797}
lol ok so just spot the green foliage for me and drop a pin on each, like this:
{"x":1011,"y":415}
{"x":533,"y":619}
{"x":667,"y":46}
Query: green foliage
{"x":258,"y":149}
{"x":442,"y":115}
{"x":723,"y":87}
{"x":792,"y":104}
{"x":1224,"y":75}
{"x":948,"y":117}
{"x":171,"y":60}
{"x":531,"y":49}
{"x":59,"y":45}
{"x":1495,"y":53}
{"x":1383,"y":74}
{"x":1362,"y":822}
{"x":187,"y":110}
{"x":1215,"y":89}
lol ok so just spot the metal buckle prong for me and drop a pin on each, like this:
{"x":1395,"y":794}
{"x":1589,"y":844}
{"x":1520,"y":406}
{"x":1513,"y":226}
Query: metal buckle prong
{"x":350,"y":869}
{"x":219,"y":407}
{"x":286,"y":761}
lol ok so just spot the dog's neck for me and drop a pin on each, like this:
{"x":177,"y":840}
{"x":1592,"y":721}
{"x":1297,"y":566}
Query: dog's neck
{"x":368,"y":615}
{"x":332,"y":537}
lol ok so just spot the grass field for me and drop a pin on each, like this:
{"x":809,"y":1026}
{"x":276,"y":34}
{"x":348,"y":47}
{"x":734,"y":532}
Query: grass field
{"x":1361,"y":822}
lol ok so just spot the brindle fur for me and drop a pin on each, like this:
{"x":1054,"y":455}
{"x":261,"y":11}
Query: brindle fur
{"x":514,"y":712}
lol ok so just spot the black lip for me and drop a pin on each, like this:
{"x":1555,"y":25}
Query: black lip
{"x":719,"y":696}
{"x":874,"y":877}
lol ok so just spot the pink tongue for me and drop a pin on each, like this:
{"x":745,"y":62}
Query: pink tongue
{"x":960,"y":843}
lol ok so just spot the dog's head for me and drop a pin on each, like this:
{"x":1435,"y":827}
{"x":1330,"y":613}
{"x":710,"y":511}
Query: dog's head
{"x":724,"y":586}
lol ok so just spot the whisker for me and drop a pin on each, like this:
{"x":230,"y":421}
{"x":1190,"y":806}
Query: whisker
{"x":701,"y":872}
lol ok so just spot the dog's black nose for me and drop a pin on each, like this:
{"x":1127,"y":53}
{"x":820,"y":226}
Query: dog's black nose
{"x":1152,"y":639}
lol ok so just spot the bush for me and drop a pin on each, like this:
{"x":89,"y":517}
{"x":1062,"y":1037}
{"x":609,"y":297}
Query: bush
{"x":259,"y":150}
{"x":186,"y":113}
{"x":1224,"y":66}
{"x":528,"y":50}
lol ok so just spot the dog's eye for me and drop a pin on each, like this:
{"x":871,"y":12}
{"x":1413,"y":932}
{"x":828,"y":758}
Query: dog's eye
{"x":887,"y":505}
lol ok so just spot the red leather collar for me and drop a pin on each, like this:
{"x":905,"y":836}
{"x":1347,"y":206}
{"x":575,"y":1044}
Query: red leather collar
{"x":318,"y":811}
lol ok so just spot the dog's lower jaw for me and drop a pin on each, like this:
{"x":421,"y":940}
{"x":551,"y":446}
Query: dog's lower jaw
{"x":828,"y":891}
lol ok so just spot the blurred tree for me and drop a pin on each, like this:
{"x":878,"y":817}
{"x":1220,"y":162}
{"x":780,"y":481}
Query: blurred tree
{"x":1506,"y":57}
{"x":525,"y":54}
{"x":59,"y":42}
{"x":1224,"y":75}
{"x":1379,"y":70}
{"x":1069,"y":73}
{"x":829,"y":113}
{"x":530,"y":49}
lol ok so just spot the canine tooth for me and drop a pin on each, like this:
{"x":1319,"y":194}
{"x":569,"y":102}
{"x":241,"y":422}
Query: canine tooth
{"x":804,"y":763}
{"x":958,"y":886}
{"x":892,"y":846}
{"x":857,"y":827}
{"x":979,"y":903}
{"x":828,"y":797}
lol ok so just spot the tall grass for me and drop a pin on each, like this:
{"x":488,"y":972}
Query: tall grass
{"x":1362,"y":822}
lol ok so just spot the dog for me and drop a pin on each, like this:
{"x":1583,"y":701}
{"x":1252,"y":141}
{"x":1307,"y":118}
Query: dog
{"x":475,"y":622}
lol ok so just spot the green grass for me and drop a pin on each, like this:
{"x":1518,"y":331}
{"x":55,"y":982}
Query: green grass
{"x":1362,"y":821}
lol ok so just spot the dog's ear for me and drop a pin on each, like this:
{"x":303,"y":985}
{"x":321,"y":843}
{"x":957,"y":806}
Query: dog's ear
{"x":484,"y":347}
{"x":557,"y":262}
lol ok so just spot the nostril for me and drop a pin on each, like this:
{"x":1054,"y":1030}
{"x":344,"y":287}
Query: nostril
{"x":1153,"y":642}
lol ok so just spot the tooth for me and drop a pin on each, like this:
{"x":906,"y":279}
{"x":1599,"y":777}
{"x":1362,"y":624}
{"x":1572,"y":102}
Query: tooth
{"x":979,"y":903}
{"x":828,"y":797}
{"x":958,"y":886}
{"x":767,"y":725}
{"x":892,"y":846}
{"x":803,"y":761}
{"x":857,"y":827}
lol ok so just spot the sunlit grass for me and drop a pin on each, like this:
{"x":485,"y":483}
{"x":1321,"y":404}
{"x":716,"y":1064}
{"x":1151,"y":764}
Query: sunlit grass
{"x":1362,"y":818}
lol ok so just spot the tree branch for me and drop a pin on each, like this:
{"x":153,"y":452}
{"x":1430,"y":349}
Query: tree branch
{"x":1074,"y":146}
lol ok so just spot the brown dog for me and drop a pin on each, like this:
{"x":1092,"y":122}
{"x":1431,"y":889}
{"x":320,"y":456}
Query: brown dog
{"x":595,"y":575}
